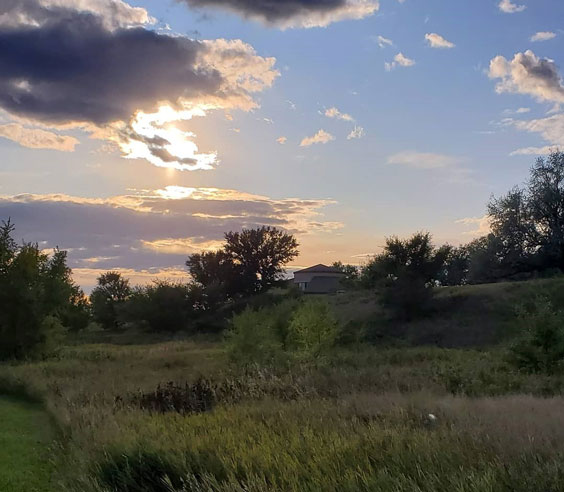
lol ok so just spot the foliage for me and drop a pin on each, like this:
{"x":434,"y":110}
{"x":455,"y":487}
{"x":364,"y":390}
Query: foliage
{"x":352,"y":273}
{"x":164,"y":306}
{"x":313,"y":329}
{"x":541,"y":348}
{"x":254,"y":339}
{"x":108,"y":297}
{"x":250,"y":262}
{"x":220,"y":277}
{"x":262,"y":252}
{"x":37,"y":296}
{"x":406,"y":272}
{"x":527,"y":227}
{"x":456,"y":266}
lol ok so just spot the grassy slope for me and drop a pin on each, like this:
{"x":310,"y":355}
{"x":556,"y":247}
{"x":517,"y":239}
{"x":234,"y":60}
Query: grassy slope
{"x":25,"y":433}
{"x":467,"y":316}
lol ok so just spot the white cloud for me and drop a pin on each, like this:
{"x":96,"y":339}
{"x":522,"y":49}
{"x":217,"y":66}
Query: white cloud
{"x":356,"y":132}
{"x":510,"y":8}
{"x":383,"y":42}
{"x":481,"y":226}
{"x":335,"y":113}
{"x":399,"y":60}
{"x":35,"y":138}
{"x":321,"y":137}
{"x":282,"y":140}
{"x":437,"y":41}
{"x":422,"y":160}
{"x":113,"y":13}
{"x":543,"y":36}
{"x":551,"y":129}
{"x":528,"y":74}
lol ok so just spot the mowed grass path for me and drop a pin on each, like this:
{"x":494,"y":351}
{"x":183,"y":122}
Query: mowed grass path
{"x":25,"y":436}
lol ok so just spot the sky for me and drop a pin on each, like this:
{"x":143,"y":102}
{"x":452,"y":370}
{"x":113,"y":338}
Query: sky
{"x":133,"y":134}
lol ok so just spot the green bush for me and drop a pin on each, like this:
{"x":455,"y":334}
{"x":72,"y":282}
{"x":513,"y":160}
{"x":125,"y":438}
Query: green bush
{"x":254,"y":339}
{"x":541,"y":347}
{"x":313,"y":329}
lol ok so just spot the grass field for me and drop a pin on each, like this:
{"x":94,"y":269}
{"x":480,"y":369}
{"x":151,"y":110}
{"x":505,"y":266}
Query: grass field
{"x":399,"y":417}
{"x":25,"y":436}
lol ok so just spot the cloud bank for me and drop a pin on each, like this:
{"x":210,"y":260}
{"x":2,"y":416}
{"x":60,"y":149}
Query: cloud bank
{"x":152,"y":230}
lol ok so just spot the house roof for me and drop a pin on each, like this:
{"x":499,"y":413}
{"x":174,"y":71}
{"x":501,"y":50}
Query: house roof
{"x":320,"y":269}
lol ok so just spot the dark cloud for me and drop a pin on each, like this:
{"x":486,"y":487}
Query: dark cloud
{"x":96,"y":65}
{"x":293,"y":13}
{"x":74,"y":69}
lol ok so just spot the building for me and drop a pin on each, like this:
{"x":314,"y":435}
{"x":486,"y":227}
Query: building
{"x":319,"y":279}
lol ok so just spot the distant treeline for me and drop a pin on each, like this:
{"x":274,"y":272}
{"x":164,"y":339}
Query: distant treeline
{"x":39,"y":301}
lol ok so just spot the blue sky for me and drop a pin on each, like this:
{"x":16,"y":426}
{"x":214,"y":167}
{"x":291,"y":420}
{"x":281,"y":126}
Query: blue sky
{"x":438,"y":131}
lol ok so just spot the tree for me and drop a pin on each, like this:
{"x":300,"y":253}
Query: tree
{"x":36,"y":296}
{"x":221,"y":278}
{"x":262,"y":252}
{"x":515,"y":231}
{"x":546,"y":206}
{"x":108,"y":297}
{"x":163,"y":306}
{"x":407,"y":271}
{"x":351,"y":272}
{"x":456,"y":266}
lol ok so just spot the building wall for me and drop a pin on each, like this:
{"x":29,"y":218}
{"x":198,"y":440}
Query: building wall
{"x":318,"y":283}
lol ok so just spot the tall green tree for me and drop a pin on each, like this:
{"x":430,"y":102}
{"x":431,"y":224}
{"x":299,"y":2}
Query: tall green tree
{"x":37,"y":295}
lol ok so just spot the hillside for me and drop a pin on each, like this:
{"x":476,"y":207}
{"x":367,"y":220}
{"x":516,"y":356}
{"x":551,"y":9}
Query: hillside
{"x":465,"y":316}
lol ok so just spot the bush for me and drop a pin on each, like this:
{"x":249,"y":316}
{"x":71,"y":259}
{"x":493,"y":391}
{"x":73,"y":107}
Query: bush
{"x":254,"y":339}
{"x":313,"y":329}
{"x":541,"y":348}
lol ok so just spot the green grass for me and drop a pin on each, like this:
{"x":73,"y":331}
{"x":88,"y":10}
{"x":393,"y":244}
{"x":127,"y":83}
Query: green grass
{"x":25,"y":436}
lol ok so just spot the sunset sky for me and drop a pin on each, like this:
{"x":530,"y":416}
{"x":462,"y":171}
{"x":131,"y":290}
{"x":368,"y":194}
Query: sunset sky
{"x":133,"y":134}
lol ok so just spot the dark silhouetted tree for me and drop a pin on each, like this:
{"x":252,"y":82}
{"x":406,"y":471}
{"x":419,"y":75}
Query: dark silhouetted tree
{"x":262,"y":252}
{"x":406,"y":271}
{"x":108,"y":297}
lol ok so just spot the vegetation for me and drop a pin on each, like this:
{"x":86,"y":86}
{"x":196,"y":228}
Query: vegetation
{"x":429,"y":374}
{"x":38,"y":298}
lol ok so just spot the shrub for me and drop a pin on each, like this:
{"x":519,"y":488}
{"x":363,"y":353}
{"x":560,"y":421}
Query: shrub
{"x":313,"y":329}
{"x":254,"y":339}
{"x":541,"y":347}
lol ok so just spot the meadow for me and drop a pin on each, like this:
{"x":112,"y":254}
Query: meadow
{"x":428,"y":405}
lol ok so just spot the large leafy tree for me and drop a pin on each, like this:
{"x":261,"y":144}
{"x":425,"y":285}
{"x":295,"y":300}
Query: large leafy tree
{"x":262,"y":253}
{"x":108,"y":297}
{"x":546,"y":207}
{"x":406,"y":272}
{"x":527,"y":226}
